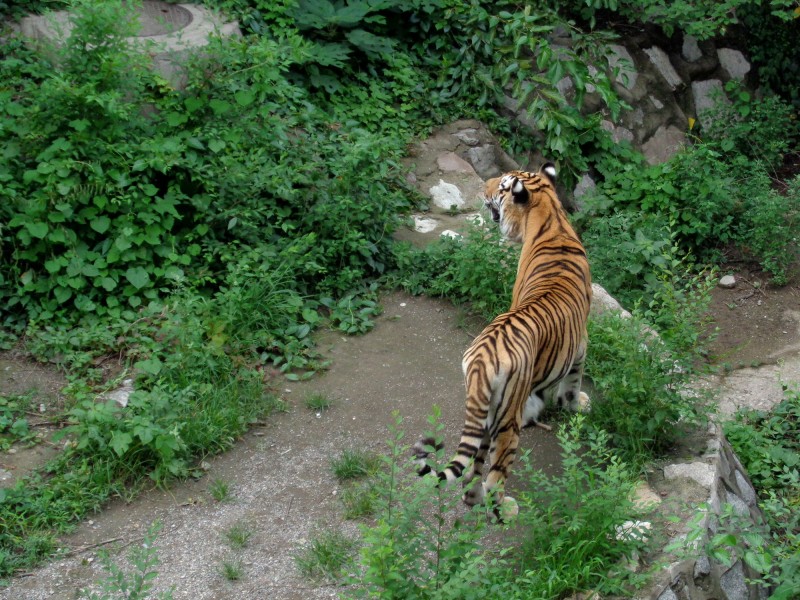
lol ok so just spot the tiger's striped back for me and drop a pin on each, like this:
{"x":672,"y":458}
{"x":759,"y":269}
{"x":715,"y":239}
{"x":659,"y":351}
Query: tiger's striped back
{"x":534,"y":353}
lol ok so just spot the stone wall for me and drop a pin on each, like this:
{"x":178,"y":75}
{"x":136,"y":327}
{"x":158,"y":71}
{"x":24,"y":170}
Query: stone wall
{"x":666,"y":82}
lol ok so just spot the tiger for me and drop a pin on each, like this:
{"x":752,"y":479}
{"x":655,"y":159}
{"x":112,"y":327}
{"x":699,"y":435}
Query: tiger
{"x":533,"y":354}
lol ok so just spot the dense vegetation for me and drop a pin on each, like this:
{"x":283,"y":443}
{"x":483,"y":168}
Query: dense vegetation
{"x":203,"y":233}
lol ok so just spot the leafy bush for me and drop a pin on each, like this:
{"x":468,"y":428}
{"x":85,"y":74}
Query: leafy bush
{"x":640,"y":396}
{"x":703,"y":200}
{"x":768,"y":446}
{"x":103,"y":225}
{"x":703,"y":19}
{"x":768,"y":229}
{"x":416,"y":549}
{"x":484,"y":53}
{"x":424,"y":546}
{"x":479,"y":269}
{"x":134,"y":585}
{"x":572,"y":526}
{"x":14,"y":426}
{"x":771,"y":37}
{"x":762,"y":129}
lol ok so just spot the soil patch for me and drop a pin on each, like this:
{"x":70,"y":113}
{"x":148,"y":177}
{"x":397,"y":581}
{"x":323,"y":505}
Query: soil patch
{"x":756,"y":323}
{"x":280,"y":477}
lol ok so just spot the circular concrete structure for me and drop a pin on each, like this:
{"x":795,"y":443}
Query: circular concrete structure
{"x":167,"y":32}
{"x":160,"y":18}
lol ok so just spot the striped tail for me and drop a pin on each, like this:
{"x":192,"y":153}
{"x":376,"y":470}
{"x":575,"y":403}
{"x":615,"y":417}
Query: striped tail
{"x":422,"y":451}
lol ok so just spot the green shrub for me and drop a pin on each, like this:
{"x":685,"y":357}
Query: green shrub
{"x":771,"y":38}
{"x":136,"y":584}
{"x":760,"y":128}
{"x":703,"y":19}
{"x":102,"y":225}
{"x":701,"y":199}
{"x":479,"y":269}
{"x":326,"y":556}
{"x":640,"y":395}
{"x":425,"y":546}
{"x":577,"y":528}
{"x":768,"y":229}
{"x":626,"y":249}
{"x":769,"y":448}
{"x":768,"y":444}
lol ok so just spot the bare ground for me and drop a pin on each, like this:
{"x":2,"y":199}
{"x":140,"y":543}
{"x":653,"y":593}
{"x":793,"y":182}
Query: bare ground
{"x":279,"y":474}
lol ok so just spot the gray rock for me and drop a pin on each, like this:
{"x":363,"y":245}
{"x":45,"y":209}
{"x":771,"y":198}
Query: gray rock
{"x":469,"y":137}
{"x":739,"y":505}
{"x":663,"y":65}
{"x":483,"y":161}
{"x":656,"y":102}
{"x":733,"y":63}
{"x":667,"y":594}
{"x":663,"y":144}
{"x":746,"y":490}
{"x":121,"y":394}
{"x":619,"y":58}
{"x":690,"y":49}
{"x":733,"y":583}
{"x":618,"y":133}
{"x":702,"y":568}
{"x":702,"y":473}
{"x":603,"y":302}
{"x":424,"y":224}
{"x":706,"y":95}
{"x":701,"y":572}
{"x":450,"y":161}
{"x":727,"y":282}
{"x":446,"y":195}
{"x":585,"y":186}
{"x":565,"y":86}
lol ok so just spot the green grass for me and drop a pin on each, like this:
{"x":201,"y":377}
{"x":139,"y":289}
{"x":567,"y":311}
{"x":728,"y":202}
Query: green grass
{"x":354,"y":464}
{"x":220,"y":490}
{"x":318,"y":401}
{"x":359,"y":500}
{"x":239,"y":534}
{"x":232,"y":569}
{"x":326,"y":556}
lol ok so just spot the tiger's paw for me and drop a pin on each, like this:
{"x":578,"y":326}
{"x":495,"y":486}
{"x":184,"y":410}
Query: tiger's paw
{"x":583,"y":404}
{"x":507,"y":510}
{"x":474,"y":495}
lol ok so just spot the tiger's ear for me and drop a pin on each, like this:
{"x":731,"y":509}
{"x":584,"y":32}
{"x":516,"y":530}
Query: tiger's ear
{"x":549,"y":170}
{"x":519,"y":193}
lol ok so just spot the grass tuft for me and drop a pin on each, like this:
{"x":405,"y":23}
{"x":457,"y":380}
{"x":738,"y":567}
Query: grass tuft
{"x":326,"y":556}
{"x":354,"y":464}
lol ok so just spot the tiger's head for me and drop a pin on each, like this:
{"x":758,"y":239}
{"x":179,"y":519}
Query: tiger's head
{"x":510,"y":197}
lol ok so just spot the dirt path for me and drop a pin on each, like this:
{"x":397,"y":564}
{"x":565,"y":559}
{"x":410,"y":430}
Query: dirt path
{"x":280,"y":475}
{"x":280,"y":478}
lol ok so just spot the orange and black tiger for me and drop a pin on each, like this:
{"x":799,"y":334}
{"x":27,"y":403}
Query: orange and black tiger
{"x":533,"y":354}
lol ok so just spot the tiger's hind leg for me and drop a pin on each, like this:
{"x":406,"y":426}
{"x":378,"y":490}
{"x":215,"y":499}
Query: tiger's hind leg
{"x":533,"y":408}
{"x":570,"y":395}
{"x":502,"y":452}
{"x":475,"y":494}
